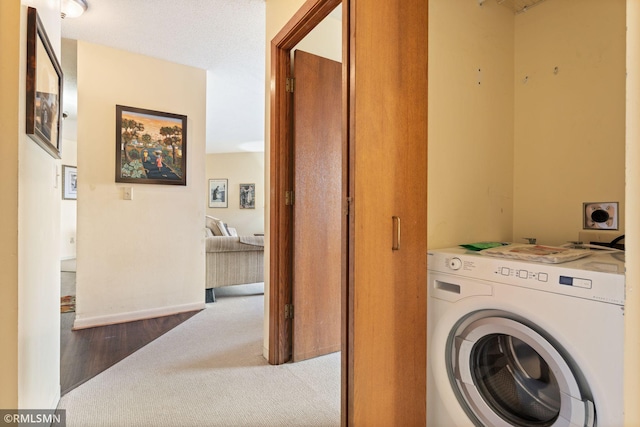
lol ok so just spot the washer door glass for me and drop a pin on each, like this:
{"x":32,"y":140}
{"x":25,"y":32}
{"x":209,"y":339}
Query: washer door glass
{"x":515,"y":381}
{"x":506,"y":374}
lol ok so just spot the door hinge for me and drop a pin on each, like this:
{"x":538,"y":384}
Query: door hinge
{"x":348,"y":206}
{"x":288,"y":311}
{"x":290,"y":83}
{"x":289,"y":198}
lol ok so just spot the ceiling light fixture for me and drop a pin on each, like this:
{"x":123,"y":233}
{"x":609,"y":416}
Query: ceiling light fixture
{"x":72,"y":8}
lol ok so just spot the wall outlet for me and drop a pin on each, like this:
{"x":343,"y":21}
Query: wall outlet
{"x":600,"y":216}
{"x":597,"y":236}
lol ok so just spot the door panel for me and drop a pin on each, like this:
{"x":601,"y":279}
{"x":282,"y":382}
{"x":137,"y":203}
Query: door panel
{"x":388,"y":178}
{"x":317,"y":272}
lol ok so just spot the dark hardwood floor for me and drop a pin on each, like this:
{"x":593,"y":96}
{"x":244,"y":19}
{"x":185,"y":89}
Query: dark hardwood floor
{"x":87,"y":352}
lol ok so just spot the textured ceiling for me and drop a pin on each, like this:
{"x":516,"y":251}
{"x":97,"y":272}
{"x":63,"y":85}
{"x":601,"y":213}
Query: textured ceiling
{"x":225,"y":37}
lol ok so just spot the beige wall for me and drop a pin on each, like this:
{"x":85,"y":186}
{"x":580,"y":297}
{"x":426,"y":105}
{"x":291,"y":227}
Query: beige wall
{"x":29,"y":244}
{"x":498,"y":147}
{"x":325,"y":39}
{"x":470,"y":166}
{"x":238,"y":168}
{"x":10,"y":84}
{"x":143,"y":257}
{"x":569,"y":125}
{"x":632,"y":196}
{"x":68,"y":214}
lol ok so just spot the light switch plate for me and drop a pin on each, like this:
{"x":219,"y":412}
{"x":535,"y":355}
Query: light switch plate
{"x":600,"y":216}
{"x":127,"y":193}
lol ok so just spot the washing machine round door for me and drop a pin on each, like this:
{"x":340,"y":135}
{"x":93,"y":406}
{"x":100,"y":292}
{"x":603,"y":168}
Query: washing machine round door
{"x":507,"y":374}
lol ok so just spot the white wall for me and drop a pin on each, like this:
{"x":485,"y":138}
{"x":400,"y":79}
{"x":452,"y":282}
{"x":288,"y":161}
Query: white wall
{"x":470,"y":166}
{"x":38,"y":253}
{"x":238,"y":168}
{"x":68,"y":208}
{"x":29,"y":247}
{"x":569,"y":125}
{"x":143,"y":257}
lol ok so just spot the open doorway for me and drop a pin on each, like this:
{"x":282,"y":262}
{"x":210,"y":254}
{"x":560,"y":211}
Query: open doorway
{"x":287,"y":263}
{"x":385,"y":141}
{"x":282,"y":177}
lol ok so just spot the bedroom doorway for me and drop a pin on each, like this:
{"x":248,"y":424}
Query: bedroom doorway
{"x":282,"y":176}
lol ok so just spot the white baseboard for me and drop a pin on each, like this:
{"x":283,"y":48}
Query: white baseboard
{"x":110,"y":319}
{"x":56,"y":399}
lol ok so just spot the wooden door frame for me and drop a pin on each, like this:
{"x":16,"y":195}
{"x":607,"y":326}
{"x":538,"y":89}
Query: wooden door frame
{"x":306,"y":19}
{"x":281,"y":223}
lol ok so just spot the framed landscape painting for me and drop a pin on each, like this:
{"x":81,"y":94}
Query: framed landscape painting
{"x":218,"y":193}
{"x":151,"y":146}
{"x":44,"y":88}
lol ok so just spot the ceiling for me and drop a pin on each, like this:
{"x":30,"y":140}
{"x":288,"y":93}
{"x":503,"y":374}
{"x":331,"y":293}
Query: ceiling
{"x":224,"y":37}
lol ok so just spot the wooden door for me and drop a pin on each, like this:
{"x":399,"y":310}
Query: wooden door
{"x":317,"y":272}
{"x":388,"y":183}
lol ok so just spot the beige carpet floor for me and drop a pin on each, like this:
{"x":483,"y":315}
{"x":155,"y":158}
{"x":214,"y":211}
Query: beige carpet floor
{"x":209,"y":371}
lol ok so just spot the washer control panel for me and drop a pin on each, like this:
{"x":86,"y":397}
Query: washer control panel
{"x":577,"y":278}
{"x":523,"y":274}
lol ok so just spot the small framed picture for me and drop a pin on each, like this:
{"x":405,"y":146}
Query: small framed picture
{"x":218,"y":193}
{"x":247,"y":196}
{"x":69,"y":182}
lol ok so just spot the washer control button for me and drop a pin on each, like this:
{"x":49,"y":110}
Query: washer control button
{"x":543,"y":277}
{"x":455,"y":263}
{"x":582,"y":283}
{"x":505,"y":271}
{"x":523,"y":274}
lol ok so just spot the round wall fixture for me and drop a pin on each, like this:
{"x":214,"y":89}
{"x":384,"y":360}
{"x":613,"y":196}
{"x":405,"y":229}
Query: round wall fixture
{"x":601,"y":216}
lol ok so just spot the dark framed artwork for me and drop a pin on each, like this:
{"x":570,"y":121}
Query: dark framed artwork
{"x":151,"y":146}
{"x":218,"y":193}
{"x":44,"y":88}
{"x":69,"y":182}
{"x":247,"y":196}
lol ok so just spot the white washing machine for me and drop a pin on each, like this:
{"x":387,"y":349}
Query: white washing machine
{"x":516,"y":343}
